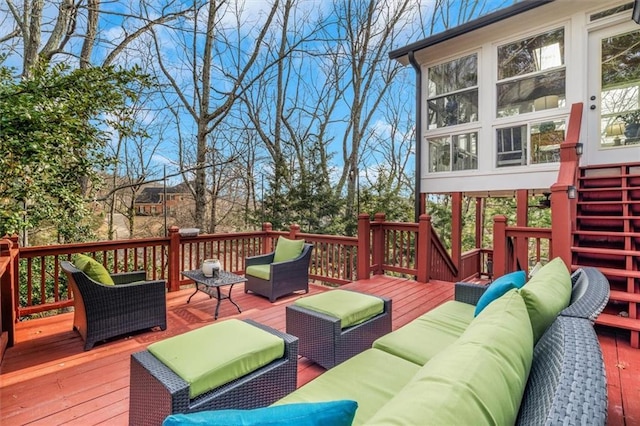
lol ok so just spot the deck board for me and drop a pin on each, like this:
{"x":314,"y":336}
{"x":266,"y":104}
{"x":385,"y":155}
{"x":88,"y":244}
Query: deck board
{"x":47,"y":378}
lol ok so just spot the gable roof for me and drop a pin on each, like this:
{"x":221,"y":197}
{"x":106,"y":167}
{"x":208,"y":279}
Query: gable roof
{"x":151,"y":194}
{"x":467,"y":27}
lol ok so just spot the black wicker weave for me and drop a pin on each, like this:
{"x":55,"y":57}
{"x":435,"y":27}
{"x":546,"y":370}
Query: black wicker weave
{"x":589,"y":294}
{"x":156,"y":391}
{"x":567,"y":383}
{"x":103,"y":311}
{"x":323,"y":341}
{"x":285,"y":278}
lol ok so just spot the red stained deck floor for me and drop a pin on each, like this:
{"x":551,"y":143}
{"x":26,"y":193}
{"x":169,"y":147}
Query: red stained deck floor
{"x":47,"y":378}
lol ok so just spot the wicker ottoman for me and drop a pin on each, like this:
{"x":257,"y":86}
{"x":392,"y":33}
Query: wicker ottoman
{"x":156,"y":391}
{"x":318,"y":321}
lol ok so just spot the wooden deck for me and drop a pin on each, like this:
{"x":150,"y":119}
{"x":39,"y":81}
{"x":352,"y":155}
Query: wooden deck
{"x":47,"y":378}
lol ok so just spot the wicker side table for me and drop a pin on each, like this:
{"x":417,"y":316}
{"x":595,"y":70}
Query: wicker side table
{"x":156,"y":391}
{"x":322,"y":339}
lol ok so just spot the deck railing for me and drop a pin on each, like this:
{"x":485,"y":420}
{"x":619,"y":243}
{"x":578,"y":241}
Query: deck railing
{"x":38,"y":287}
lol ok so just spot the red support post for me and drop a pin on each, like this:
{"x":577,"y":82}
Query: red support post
{"x":562,"y":224}
{"x":364,"y":247}
{"x":378,"y":243}
{"x":174,"y":258}
{"x":479,"y":221}
{"x":267,"y":247}
{"x":423,"y":257}
{"x":456,"y":228}
{"x":499,"y":245}
{"x":522,"y":219}
{"x":294,"y":230}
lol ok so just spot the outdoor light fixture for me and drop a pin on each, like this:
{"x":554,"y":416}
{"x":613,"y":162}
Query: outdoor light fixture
{"x":579,"y":148}
{"x":572,"y":192}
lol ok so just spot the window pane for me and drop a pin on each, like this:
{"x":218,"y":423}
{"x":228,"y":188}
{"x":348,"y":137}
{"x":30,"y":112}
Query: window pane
{"x":451,"y":76}
{"x":453,"y":109}
{"x":546,"y":138}
{"x":511,"y":146}
{"x":542,"y":91}
{"x":531,"y":55}
{"x":465,"y":151}
{"x":439,"y":154}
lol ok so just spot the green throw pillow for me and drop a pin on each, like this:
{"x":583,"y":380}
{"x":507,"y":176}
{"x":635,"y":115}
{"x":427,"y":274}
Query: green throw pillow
{"x":287,"y":249}
{"x":546,"y":294}
{"x":93,"y":269}
{"x":334,"y":413}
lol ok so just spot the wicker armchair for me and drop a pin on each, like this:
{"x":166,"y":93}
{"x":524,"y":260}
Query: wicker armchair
{"x":103,"y":311}
{"x":285,"y":277}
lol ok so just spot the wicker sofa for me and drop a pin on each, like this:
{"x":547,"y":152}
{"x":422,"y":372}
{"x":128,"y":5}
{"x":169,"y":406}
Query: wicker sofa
{"x":564,"y":382}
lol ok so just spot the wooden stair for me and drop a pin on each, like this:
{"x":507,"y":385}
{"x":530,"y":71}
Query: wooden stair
{"x":607,"y":236}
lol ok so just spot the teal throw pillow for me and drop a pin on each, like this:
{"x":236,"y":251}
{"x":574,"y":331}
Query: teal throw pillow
{"x":93,"y":269}
{"x":335,"y":413}
{"x":287,"y":249}
{"x":499,"y":287}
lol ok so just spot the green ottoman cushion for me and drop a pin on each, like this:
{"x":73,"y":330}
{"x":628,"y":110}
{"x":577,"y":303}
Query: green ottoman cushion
{"x":546,"y":294}
{"x":350,"y":307}
{"x":211,"y":356}
{"x":423,"y":338}
{"x":259,"y":271}
{"x":479,"y":380}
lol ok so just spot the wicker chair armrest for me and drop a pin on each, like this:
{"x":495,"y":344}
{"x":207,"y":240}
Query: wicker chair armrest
{"x":468,"y":292}
{"x":129,"y":277}
{"x":589,"y":294}
{"x":125,"y":297}
{"x":299,"y":265}
{"x":262,"y":259}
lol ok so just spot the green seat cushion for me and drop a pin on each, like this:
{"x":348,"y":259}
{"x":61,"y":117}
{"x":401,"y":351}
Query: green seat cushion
{"x":93,"y":269}
{"x":287,"y":249}
{"x":546,"y":294}
{"x":334,"y":413}
{"x":371,"y":378}
{"x":350,"y":307}
{"x":479,"y":380}
{"x":260,"y":271}
{"x":211,"y":356}
{"x":423,"y":338}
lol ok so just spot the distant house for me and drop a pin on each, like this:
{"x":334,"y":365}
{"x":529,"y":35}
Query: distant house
{"x":153,"y":199}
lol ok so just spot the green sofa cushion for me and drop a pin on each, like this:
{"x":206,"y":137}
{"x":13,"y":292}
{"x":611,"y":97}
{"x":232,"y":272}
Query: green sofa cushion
{"x":350,"y":307}
{"x":546,"y":294}
{"x":334,"y":413}
{"x":371,"y":378}
{"x":423,"y":338}
{"x":260,"y":271}
{"x":211,"y":356}
{"x":499,"y":287}
{"x":479,"y":380}
{"x":93,"y":269}
{"x":287,"y":249}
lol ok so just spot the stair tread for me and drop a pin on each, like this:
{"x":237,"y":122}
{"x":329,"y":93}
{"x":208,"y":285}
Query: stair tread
{"x":613,"y":271}
{"x":607,"y":233}
{"x":623,"y":296}
{"x":598,"y":250}
{"x":619,"y":322}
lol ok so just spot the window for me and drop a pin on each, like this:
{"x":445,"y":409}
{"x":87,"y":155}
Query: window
{"x":512,"y":146}
{"x":453,"y":152}
{"x":453,"y":92}
{"x":543,"y":143}
{"x":546,"y":138}
{"x":531,"y":74}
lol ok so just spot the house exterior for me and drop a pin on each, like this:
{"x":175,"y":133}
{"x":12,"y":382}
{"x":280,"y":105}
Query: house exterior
{"x":541,"y":97}
{"x":495,"y":94}
{"x":152,"y":200}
